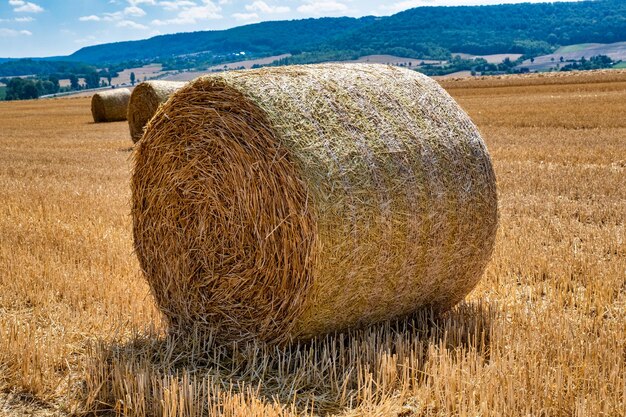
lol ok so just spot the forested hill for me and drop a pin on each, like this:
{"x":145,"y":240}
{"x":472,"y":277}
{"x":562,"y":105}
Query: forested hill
{"x":427,"y":32}
{"x":513,"y":28}
{"x":423,"y":32}
{"x":267,"y":38}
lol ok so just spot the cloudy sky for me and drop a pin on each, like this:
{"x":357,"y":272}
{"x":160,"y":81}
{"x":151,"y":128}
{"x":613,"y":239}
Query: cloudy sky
{"x":60,"y":27}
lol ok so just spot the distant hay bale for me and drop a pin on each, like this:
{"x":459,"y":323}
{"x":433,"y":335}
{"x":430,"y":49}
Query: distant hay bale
{"x":110,"y":105}
{"x":283,"y":203}
{"x":144,"y":102}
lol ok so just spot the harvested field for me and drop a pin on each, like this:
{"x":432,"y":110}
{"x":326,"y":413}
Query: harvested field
{"x":577,"y":79}
{"x":542,"y":334}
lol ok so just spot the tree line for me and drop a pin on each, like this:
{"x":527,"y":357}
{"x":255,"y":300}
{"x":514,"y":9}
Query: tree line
{"x":27,"y":88}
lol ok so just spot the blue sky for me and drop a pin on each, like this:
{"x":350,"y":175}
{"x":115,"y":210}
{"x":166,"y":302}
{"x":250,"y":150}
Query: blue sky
{"x":60,"y":27}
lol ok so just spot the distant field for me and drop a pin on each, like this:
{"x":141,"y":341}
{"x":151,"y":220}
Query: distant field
{"x":576,"y":48}
{"x":148,"y":71}
{"x":190,"y":75}
{"x":65,"y":82}
{"x":542,"y":335}
{"x":493,"y":59}
{"x":616,"y":51}
{"x":621,"y":65}
{"x":374,"y":59}
{"x":458,"y":74}
{"x":573,"y":78}
{"x":393,"y":60}
{"x":248,"y":63}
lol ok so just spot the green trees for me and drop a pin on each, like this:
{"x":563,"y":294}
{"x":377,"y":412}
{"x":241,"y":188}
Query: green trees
{"x":74,"y":82}
{"x":132,"y":78}
{"x":54,"y":79}
{"x":28,"y":88}
{"x":92,"y":79}
{"x":595,"y":62}
{"x":21,"y":89}
{"x":42,"y":67}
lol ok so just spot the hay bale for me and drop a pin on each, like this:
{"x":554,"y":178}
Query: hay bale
{"x":285,"y":203}
{"x":110,"y":105}
{"x":144,"y":102}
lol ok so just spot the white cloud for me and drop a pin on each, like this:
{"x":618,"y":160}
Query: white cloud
{"x":131,"y":24}
{"x":90,"y":18}
{"x":134,"y":11}
{"x":25,"y":19}
{"x":322,"y":7}
{"x":176,"y":4}
{"x":109,"y":17}
{"x":21,"y":6}
{"x":263,"y":7}
{"x":403,"y":5}
{"x":118,"y":16}
{"x":245,"y":16}
{"x":87,"y":39}
{"x":191,"y":15}
{"x":136,"y":2}
{"x":10,"y":33}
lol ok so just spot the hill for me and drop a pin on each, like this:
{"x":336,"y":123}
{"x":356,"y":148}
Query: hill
{"x":531,"y":29}
{"x":511,"y":28}
{"x":267,"y":38}
{"x":426,"y":32}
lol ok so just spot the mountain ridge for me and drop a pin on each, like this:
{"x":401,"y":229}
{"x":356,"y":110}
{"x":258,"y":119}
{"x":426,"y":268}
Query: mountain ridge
{"x":424,"y":32}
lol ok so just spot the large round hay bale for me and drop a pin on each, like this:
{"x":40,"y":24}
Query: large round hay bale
{"x":284,"y":203}
{"x":144,"y":102}
{"x":110,"y":105}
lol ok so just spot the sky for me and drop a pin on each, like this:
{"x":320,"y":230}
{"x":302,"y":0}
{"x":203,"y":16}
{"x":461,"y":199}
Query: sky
{"x":59,"y":27}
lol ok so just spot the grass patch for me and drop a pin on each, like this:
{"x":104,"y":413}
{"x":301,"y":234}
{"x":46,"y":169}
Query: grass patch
{"x":3,"y":92}
{"x":620,"y":65}
{"x":574,"y":48}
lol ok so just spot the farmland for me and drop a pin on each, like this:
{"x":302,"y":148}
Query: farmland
{"x":542,"y":334}
{"x":560,"y":57}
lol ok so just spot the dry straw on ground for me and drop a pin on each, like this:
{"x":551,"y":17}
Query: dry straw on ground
{"x":110,"y":106}
{"x":144,"y":102}
{"x":284,"y":203}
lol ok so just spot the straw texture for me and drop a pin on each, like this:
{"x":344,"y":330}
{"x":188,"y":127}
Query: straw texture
{"x":110,"y":106}
{"x":284,"y":203}
{"x":144,"y":102}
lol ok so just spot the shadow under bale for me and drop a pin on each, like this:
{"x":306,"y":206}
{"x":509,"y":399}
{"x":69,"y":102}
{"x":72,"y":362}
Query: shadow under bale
{"x":190,"y":375}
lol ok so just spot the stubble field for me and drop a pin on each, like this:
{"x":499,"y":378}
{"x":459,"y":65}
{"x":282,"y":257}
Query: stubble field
{"x":543,"y":334}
